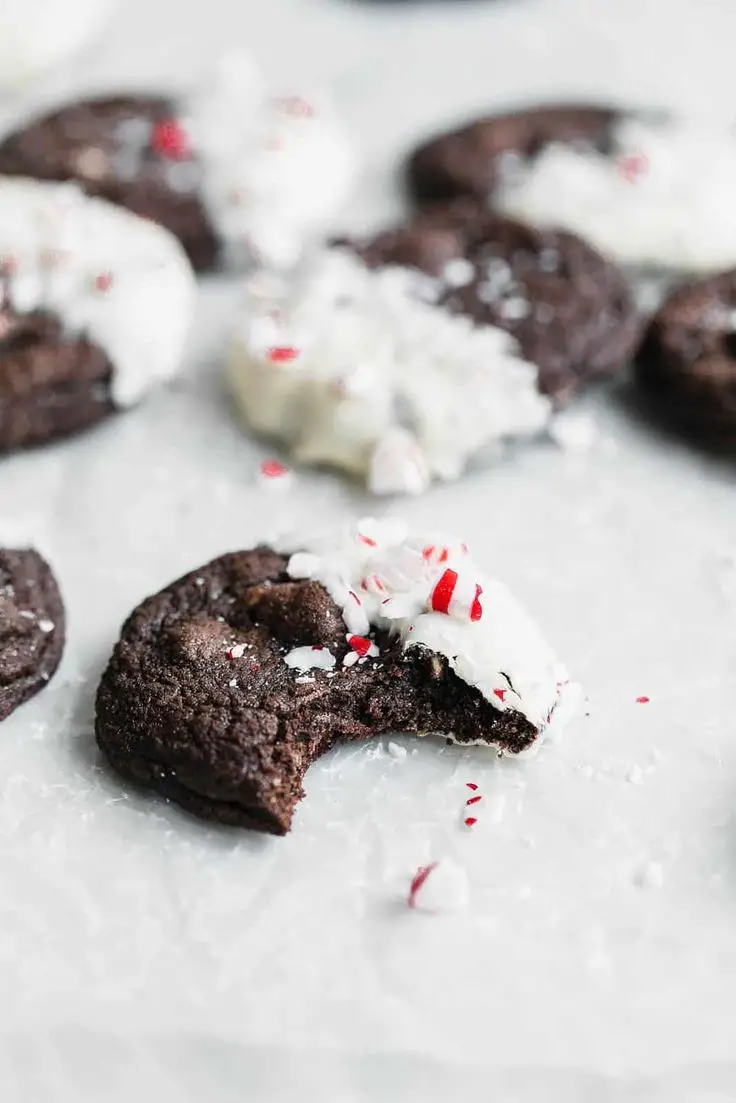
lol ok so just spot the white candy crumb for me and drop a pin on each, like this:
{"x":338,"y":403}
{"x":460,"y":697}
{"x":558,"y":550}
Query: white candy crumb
{"x":574,"y":432}
{"x":310,"y":658}
{"x":236,"y":651}
{"x":445,"y":889}
{"x":304,"y":680}
{"x":233,"y":682}
{"x":46,"y":625}
{"x":635,"y":775}
{"x":397,"y":751}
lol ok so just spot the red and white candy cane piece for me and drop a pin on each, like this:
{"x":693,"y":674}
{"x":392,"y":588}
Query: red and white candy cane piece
{"x":362,"y":646}
{"x":354,"y":615}
{"x":457,"y":596}
{"x":437,"y":554}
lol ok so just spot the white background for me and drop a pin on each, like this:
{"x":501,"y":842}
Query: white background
{"x":146,"y":955}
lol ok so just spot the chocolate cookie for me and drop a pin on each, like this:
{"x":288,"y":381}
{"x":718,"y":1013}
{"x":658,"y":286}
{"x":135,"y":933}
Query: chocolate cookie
{"x":649,"y":190}
{"x":31,"y":627}
{"x":225,"y":686}
{"x":228,"y":170}
{"x":405,"y":358}
{"x":569,"y":309}
{"x":95,"y":305}
{"x":687,"y":360}
{"x":472,"y":160}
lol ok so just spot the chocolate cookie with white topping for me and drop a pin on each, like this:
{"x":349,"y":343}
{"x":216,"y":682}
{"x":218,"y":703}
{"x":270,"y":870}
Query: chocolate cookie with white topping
{"x":229,"y":683}
{"x":235,"y":173}
{"x":95,"y":307}
{"x":687,"y":361}
{"x":650,"y":190}
{"x":404,"y":358}
{"x":32,"y":627}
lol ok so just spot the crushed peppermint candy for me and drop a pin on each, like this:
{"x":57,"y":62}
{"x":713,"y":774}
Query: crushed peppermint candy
{"x":169,"y":139}
{"x":643,"y":700}
{"x":310,"y":658}
{"x":633,"y":166}
{"x":282,"y":354}
{"x":237,"y":650}
{"x":439,"y":886}
{"x":275,"y":475}
{"x":362,"y":646}
{"x":429,"y":593}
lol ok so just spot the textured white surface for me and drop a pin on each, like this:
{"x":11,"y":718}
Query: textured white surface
{"x":144,"y":955}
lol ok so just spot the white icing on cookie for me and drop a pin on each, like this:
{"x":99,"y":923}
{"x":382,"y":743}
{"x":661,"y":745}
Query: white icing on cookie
{"x":430,"y":593}
{"x":38,"y":34}
{"x":353,"y":369}
{"x":275,"y":170}
{"x":663,"y":198}
{"x":123,"y":282}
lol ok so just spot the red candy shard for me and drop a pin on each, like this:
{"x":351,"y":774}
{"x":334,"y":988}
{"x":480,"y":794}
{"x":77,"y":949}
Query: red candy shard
{"x":428,"y":552}
{"x":355,"y":597}
{"x":282,"y":354}
{"x":418,"y":880}
{"x":469,"y":821}
{"x":476,"y":609}
{"x":443,"y":591}
{"x":642,"y":700}
{"x":170,"y":140}
{"x":501,"y":694}
{"x":103,"y":282}
{"x":471,"y":785}
{"x":360,"y":644}
{"x":273,"y":469}
{"x":366,"y":540}
{"x":473,"y":800}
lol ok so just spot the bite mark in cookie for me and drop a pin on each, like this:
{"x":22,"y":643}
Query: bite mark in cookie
{"x":402,"y":358}
{"x":201,"y":703}
{"x":95,"y":306}
{"x":233,"y":171}
{"x":648,"y":190}
{"x":32,"y":627}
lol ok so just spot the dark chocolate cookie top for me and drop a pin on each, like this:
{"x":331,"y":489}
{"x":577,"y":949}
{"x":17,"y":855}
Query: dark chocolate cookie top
{"x":687,"y":360}
{"x":225,"y":686}
{"x":32,"y":627}
{"x":570,"y":310}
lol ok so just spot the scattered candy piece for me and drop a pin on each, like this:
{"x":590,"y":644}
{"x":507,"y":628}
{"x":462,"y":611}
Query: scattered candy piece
{"x":473,"y":800}
{"x":237,"y":651}
{"x":275,"y":475}
{"x":471,"y":785}
{"x":439,"y":887}
{"x":469,"y":821}
{"x":443,"y":591}
{"x":501,"y":694}
{"x":642,"y":700}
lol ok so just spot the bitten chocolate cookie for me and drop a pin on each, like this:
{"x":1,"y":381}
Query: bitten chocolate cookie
{"x":229,"y":683}
{"x":95,"y":307}
{"x":647,"y":189}
{"x":31,"y":627}
{"x":401,"y":358}
{"x":687,"y":360}
{"x":235,"y":173}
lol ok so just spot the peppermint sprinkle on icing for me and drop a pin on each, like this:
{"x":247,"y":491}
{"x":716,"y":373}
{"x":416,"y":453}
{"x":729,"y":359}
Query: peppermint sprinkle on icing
{"x":275,"y":475}
{"x":643,"y":700}
{"x":397,"y":584}
{"x":169,"y":139}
